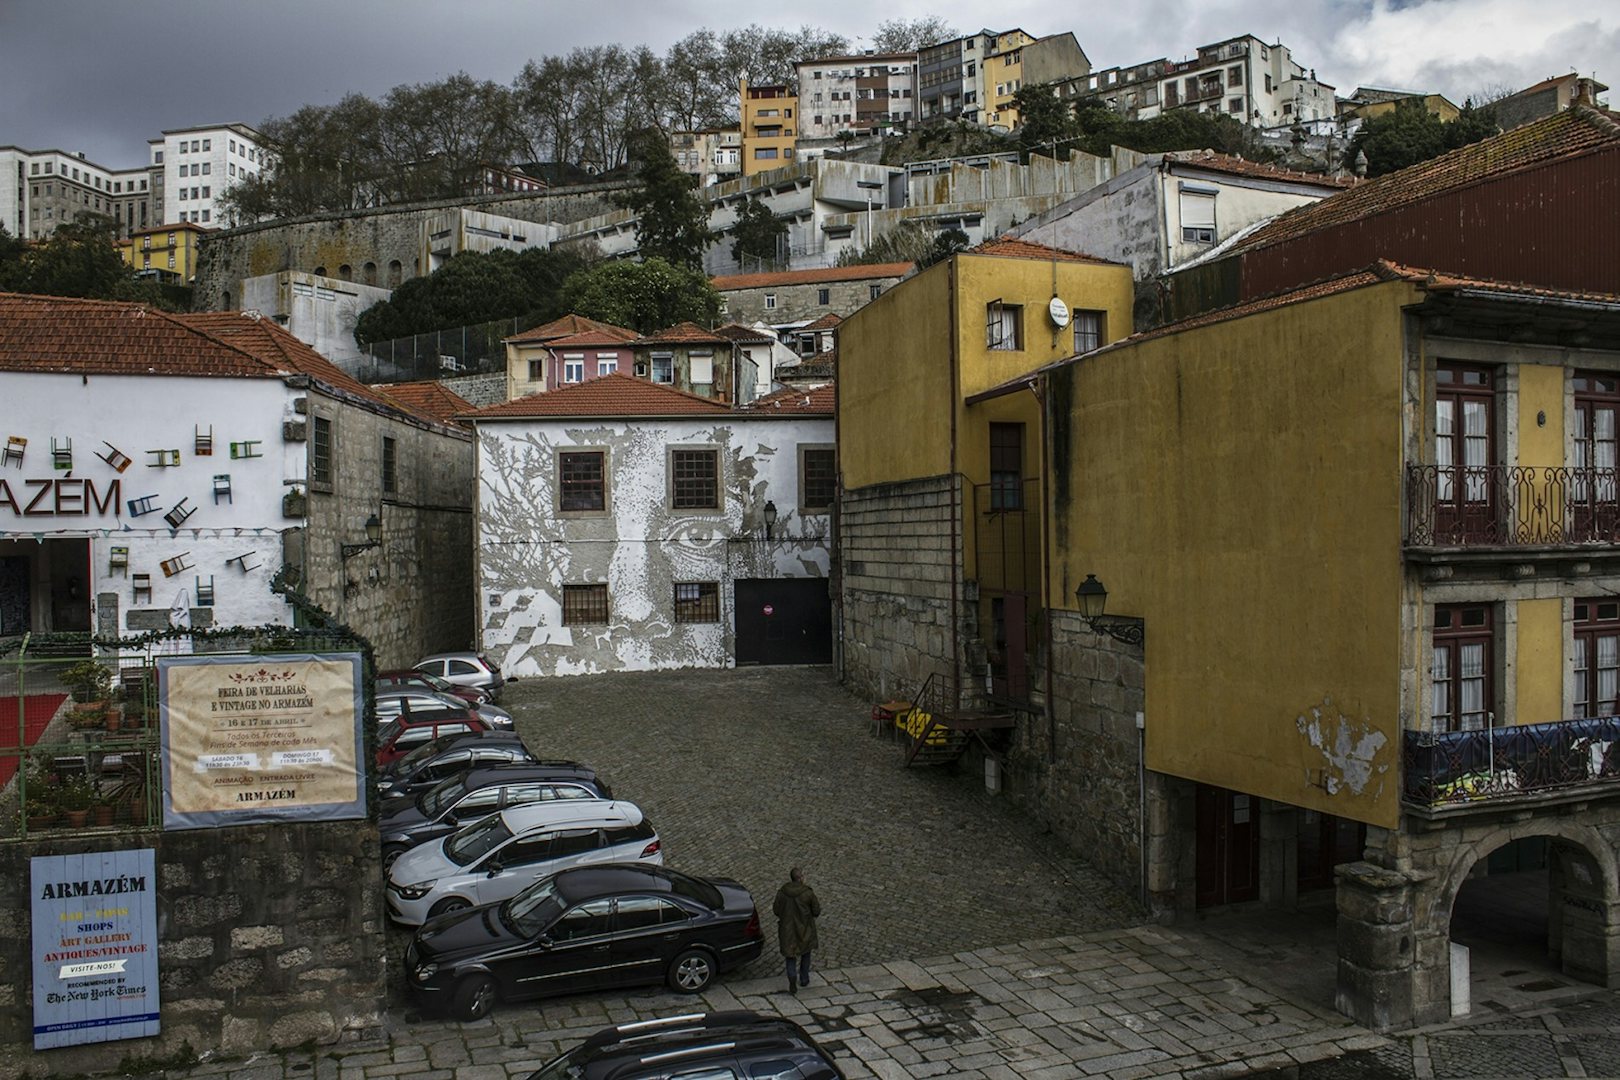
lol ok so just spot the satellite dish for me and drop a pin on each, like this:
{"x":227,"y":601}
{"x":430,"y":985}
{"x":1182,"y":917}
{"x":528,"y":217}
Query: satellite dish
{"x":1058,"y":312}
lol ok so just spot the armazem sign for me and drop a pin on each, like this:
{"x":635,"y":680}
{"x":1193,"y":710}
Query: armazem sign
{"x":94,"y":919}
{"x":261,"y":738}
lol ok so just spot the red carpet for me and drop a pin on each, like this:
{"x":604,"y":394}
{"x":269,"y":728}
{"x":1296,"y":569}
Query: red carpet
{"x":37,"y":712}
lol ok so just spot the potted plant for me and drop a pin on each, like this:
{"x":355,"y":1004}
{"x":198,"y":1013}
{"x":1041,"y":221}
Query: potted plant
{"x":39,"y":809}
{"x":102,"y":805}
{"x":90,"y":684}
{"x":76,"y":796}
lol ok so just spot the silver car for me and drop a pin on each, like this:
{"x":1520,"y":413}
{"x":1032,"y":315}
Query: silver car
{"x":464,"y":669}
{"x":392,"y":703}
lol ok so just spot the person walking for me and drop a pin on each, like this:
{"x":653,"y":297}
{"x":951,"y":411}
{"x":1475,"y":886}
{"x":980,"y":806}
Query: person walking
{"x":796,"y":909}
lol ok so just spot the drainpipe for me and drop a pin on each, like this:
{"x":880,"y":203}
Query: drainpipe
{"x":956,"y":510}
{"x":835,"y":564}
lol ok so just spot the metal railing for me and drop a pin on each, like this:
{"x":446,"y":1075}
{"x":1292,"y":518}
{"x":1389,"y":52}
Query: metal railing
{"x":1511,"y":506}
{"x":1457,"y":767}
{"x":462,"y":350}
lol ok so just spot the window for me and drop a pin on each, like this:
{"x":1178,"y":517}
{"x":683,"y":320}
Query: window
{"x":663,"y":367}
{"x":694,"y":479}
{"x":1593,"y":454}
{"x":582,"y":480}
{"x":586,"y":921}
{"x":697,"y":601}
{"x":574,"y":368}
{"x":1234,"y":76}
{"x":607,"y":365}
{"x":390,"y":466}
{"x":585,"y":605}
{"x":1003,"y":326}
{"x":823,"y":297}
{"x":1197,"y":214}
{"x":208,"y":167}
{"x":645,"y":912}
{"x":700,"y":372}
{"x":874,"y":291}
{"x":764,"y":153}
{"x":171,"y":260}
{"x":1461,"y":677}
{"x":770,"y":301}
{"x":1597,"y":658}
{"x":1006,"y":466}
{"x":320,"y":452}
{"x":818,"y":478}
{"x":1234,"y":105}
{"x":1088,"y":330}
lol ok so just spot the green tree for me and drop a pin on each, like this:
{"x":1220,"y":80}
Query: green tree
{"x":1409,"y":133}
{"x":758,"y":233}
{"x":644,"y":296}
{"x":673,"y":221}
{"x":79,"y":259}
{"x":1046,"y":122}
{"x":474,"y":287}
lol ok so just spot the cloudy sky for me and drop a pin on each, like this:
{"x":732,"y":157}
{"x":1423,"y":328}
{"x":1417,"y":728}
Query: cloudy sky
{"x":103,"y":76}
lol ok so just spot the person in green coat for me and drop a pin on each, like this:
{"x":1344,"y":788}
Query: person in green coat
{"x":796,"y":910}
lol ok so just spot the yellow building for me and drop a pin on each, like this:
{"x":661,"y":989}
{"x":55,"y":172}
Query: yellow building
{"x":769,"y":127}
{"x":168,"y":252}
{"x":1001,"y":76}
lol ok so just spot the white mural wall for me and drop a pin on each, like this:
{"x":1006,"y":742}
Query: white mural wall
{"x":62,"y":515}
{"x":528,"y":549}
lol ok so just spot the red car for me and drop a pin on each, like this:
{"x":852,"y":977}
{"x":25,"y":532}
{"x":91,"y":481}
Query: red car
{"x":406,"y":732}
{"x":411,"y":679}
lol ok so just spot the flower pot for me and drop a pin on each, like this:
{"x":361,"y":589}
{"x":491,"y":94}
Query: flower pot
{"x":76,"y":818}
{"x":114,"y":721}
{"x":102,"y":815}
{"x":40,"y":822}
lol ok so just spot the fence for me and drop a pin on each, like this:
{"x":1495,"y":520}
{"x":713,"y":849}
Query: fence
{"x":464,"y":350}
{"x":1442,"y":768}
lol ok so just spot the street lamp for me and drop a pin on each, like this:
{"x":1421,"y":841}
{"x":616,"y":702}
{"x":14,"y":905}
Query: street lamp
{"x":373,"y":538}
{"x":869,"y":186}
{"x":770,"y":518}
{"x":1093,"y":598}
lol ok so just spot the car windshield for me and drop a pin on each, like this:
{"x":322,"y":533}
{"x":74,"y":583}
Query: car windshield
{"x":533,"y":909}
{"x":409,"y":762}
{"x":442,"y":685}
{"x":443,"y":796}
{"x":567,"y":1067}
{"x":475,"y":841}
{"x":385,"y":736}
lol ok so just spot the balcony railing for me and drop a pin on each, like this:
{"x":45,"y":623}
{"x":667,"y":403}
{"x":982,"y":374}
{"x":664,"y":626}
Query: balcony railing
{"x":1511,"y":506}
{"x":1460,"y":767}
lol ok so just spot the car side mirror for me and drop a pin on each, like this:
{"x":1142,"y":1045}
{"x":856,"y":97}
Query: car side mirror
{"x":494,"y":868}
{"x":545,"y":941}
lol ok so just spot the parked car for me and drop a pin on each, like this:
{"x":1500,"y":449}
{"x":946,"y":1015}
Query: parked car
{"x":502,"y":854}
{"x":412,"y":679}
{"x":476,"y":793}
{"x":587,"y":928}
{"x":464,"y":669}
{"x":403,"y":733}
{"x":392,"y":703}
{"x":432,"y":763}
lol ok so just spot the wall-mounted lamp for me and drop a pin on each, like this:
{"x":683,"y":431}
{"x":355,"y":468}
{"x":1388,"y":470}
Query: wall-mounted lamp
{"x":1093,"y":598}
{"x":770,"y":519}
{"x":373,"y":538}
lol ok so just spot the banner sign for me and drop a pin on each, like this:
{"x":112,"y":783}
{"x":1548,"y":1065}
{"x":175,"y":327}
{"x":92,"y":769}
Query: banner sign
{"x":261,"y":738}
{"x":95,"y":947}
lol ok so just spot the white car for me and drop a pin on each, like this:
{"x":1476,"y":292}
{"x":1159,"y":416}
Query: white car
{"x":507,"y":852}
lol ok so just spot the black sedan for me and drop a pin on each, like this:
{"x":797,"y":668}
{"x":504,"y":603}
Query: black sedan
{"x":433,"y":762}
{"x":586,"y":928}
{"x":476,"y":793}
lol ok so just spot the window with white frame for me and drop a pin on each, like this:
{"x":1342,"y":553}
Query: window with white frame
{"x":1197,"y":214}
{"x":573,"y":367}
{"x":663,"y":367}
{"x":607,"y":363}
{"x":1003,"y":326}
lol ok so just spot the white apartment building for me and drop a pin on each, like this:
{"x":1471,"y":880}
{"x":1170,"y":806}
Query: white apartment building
{"x":42,"y":189}
{"x":865,"y":95}
{"x":1243,"y":77}
{"x":711,"y":155}
{"x":198,"y":165}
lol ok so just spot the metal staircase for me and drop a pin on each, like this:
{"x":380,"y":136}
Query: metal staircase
{"x":939,"y":730}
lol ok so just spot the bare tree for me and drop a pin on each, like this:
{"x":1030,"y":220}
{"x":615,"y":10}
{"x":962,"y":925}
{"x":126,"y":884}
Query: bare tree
{"x":911,"y":35}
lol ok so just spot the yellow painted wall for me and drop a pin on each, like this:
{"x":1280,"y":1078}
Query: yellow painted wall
{"x":1539,"y":661}
{"x":1541,"y":390}
{"x":1238,"y":486}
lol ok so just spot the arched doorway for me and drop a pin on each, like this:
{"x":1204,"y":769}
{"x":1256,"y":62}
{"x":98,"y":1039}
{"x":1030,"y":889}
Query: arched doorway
{"x":1525,"y":915}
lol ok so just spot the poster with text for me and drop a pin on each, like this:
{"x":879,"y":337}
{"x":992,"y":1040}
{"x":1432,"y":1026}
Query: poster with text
{"x":261,"y":738}
{"x":94,"y":918}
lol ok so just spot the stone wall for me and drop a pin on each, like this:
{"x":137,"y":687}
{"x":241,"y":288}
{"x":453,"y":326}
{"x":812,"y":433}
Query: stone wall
{"x":269,"y":936}
{"x":478,"y":390}
{"x":383,"y":237}
{"x":801,"y":303}
{"x":896,"y":564}
{"x":413,"y":594}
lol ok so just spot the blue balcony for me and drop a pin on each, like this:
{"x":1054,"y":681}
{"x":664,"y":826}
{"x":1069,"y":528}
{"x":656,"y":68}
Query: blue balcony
{"x":1458,"y":768}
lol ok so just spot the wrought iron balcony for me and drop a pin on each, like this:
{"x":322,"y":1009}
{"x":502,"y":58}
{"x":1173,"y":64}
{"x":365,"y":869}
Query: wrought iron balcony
{"x":1511,"y":506}
{"x":1461,"y":767}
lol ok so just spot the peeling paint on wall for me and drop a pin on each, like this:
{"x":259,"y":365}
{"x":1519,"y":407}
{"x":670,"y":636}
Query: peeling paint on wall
{"x":1348,"y":748}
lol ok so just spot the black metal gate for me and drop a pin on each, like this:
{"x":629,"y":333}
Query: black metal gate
{"x":783,"y":621}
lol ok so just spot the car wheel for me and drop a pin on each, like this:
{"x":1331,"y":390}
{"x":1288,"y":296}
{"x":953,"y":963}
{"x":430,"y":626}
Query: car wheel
{"x":447,"y":905}
{"x":389,"y":855}
{"x":474,"y":998}
{"x":692,"y":972}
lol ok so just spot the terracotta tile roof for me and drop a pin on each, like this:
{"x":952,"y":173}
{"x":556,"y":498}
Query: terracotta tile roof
{"x":100,"y":337}
{"x":1440,"y":281}
{"x":683,"y":333}
{"x":1572,"y":133}
{"x":569,"y":324}
{"x":826,"y":322}
{"x":795,"y":402}
{"x":1009,"y":248}
{"x":739,"y":332}
{"x":1236,"y":166}
{"x":589,"y":339}
{"x":607,"y":396}
{"x":269,"y":342}
{"x":812,"y":277}
{"x":429,"y":398}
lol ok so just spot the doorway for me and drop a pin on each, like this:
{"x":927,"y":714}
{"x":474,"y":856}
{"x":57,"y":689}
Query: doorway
{"x":1228,"y":853}
{"x":783,"y":621}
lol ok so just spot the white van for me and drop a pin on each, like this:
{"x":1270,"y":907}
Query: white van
{"x":502,"y":854}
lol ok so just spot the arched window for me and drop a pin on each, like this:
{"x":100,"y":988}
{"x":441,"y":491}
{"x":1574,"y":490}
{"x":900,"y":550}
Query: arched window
{"x":346,"y":272}
{"x":320,"y":271}
{"x":370,"y":273}
{"x":396,"y":272}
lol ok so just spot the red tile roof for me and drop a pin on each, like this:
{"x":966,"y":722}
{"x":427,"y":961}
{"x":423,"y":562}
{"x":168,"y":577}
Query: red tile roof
{"x":1236,"y":166}
{"x":1009,"y":248}
{"x":813,"y":277}
{"x":270,"y":343}
{"x":101,"y":337}
{"x":607,"y":396}
{"x":1572,"y":133}
{"x":569,"y":324}
{"x":683,"y":333}
{"x":428,"y":397}
{"x":826,"y":322}
{"x":590,"y":339}
{"x":794,"y":402}
{"x":739,"y":332}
